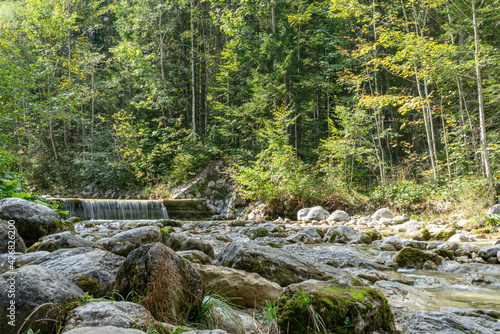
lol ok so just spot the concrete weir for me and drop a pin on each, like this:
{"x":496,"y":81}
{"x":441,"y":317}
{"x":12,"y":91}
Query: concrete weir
{"x":113,"y":209}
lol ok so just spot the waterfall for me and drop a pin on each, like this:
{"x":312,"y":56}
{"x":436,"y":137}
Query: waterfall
{"x":104,"y":209}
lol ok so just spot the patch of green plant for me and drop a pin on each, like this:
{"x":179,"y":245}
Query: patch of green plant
{"x":493,"y":220}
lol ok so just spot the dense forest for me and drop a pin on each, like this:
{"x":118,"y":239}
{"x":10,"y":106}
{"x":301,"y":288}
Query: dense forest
{"x":303,"y":99}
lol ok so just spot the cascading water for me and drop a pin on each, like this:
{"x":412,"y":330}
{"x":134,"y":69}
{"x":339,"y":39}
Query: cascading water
{"x":104,"y":209}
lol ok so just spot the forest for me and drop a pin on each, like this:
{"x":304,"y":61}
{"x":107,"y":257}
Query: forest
{"x":364,"y":100}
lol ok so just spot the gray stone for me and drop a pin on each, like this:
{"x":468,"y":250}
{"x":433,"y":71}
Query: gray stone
{"x":180,"y":242}
{"x":309,"y":235}
{"x":460,"y":238}
{"x":92,"y":269}
{"x":34,"y":286}
{"x":411,"y":225}
{"x":338,"y":216}
{"x":447,"y":322}
{"x":345,"y":234}
{"x":195,"y":256}
{"x":10,"y":240}
{"x":65,"y":239}
{"x":20,"y":260}
{"x":487,"y":252}
{"x":382,"y":213}
{"x":33,"y":220}
{"x":314,"y":213}
{"x":394,"y":241}
{"x":125,"y":242}
{"x":494,"y":210}
{"x":104,"y":330}
{"x":109,"y":313}
{"x":247,"y":289}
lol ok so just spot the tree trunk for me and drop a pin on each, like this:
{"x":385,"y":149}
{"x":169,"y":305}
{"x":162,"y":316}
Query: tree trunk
{"x":193,"y":88}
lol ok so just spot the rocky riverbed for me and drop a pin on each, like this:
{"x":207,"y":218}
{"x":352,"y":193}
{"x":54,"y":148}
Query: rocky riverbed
{"x":324,"y":272}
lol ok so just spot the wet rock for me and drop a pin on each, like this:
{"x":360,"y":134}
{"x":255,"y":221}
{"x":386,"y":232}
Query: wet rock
{"x":125,"y":242}
{"x":345,"y":234}
{"x":195,"y":256}
{"x":413,"y":258}
{"x":361,"y":310}
{"x":65,"y":239}
{"x":247,"y":289}
{"x":34,"y":286}
{"x":109,"y":313}
{"x":487,"y":252}
{"x":92,"y":269}
{"x":447,"y":321}
{"x":175,"y":279}
{"x":338,"y":216}
{"x":274,"y":264}
{"x":33,"y":220}
{"x":315,"y":213}
{"x":382,"y":213}
{"x":309,"y":235}
{"x":10,"y":240}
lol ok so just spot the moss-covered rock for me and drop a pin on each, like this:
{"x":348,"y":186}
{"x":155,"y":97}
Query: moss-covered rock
{"x":345,"y":234}
{"x":374,"y":235}
{"x":447,"y":254}
{"x":445,"y":234}
{"x":341,"y":309}
{"x":170,"y":222}
{"x":410,"y":257}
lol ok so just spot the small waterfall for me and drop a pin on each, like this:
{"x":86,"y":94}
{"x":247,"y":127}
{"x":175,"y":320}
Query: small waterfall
{"x":104,"y":209}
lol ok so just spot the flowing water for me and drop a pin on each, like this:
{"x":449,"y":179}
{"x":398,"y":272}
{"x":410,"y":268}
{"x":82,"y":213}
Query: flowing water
{"x":104,"y":209}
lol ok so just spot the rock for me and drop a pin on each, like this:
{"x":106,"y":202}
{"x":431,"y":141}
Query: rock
{"x":34,"y":286}
{"x":104,"y":330}
{"x":65,"y":239}
{"x":109,"y":313}
{"x":125,"y":242}
{"x":169,"y":278}
{"x":487,"y":252}
{"x":494,"y":210}
{"x":444,"y":253}
{"x":33,"y":220}
{"x":393,"y":241}
{"x":430,"y":265}
{"x":92,"y":269}
{"x":358,"y":310}
{"x":274,"y":264}
{"x":410,"y":257}
{"x":195,"y":256}
{"x":460,"y":238}
{"x":338,"y":216}
{"x":309,"y":235}
{"x":19,"y":261}
{"x":422,"y":234}
{"x":255,"y":232}
{"x":247,"y":289}
{"x":401,"y":219}
{"x":382,"y":213}
{"x":345,"y":234}
{"x":314,"y":213}
{"x":408,"y":226}
{"x":447,"y":322}
{"x":179,"y":242}
{"x":10,"y":240}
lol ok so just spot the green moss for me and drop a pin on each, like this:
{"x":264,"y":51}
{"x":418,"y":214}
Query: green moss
{"x":274,"y":245}
{"x":320,"y":232}
{"x":261,"y":232}
{"x":224,"y":238}
{"x":444,"y":235}
{"x":410,"y":257}
{"x":425,"y":233}
{"x":373,"y":235}
{"x":89,"y":285}
{"x":171,"y":223}
{"x":237,"y":223}
{"x":445,"y":253}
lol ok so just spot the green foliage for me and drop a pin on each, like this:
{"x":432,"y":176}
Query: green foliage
{"x":493,"y":220}
{"x":214,"y":307}
{"x":277,"y":173}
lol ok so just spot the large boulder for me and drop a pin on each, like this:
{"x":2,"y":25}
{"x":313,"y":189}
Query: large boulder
{"x":109,"y":313}
{"x":382,"y":213}
{"x":410,"y":257}
{"x":274,"y":264}
{"x":180,"y":242}
{"x":33,"y":220}
{"x":65,"y":239}
{"x":92,"y":269}
{"x":125,"y":242}
{"x":35,"y":292}
{"x":338,"y":216}
{"x":494,"y":210}
{"x":17,"y":260}
{"x":171,"y":285}
{"x":309,"y":235}
{"x":488,"y":252}
{"x":314,"y":213}
{"x":452,"y":321}
{"x":345,"y":234}
{"x":244,"y":289}
{"x":10,"y":240}
{"x":314,"y":306}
